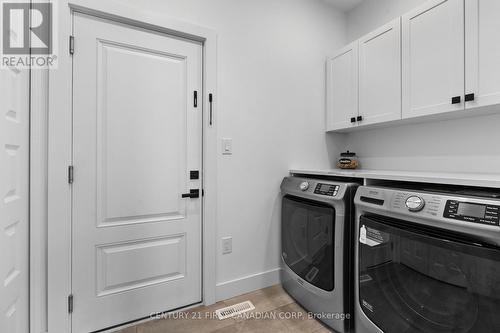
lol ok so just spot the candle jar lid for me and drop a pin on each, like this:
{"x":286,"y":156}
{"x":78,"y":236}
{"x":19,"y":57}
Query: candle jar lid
{"x":348,"y":154}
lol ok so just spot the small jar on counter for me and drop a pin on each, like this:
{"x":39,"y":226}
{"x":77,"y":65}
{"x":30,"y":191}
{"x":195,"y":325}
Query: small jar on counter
{"x":348,"y":160}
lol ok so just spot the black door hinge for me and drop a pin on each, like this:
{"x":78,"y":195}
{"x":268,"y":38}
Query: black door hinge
{"x":71,"y":44}
{"x":195,"y":99}
{"x":70,"y":174}
{"x":70,"y":303}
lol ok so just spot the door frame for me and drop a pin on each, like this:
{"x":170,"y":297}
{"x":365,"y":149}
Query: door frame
{"x":60,"y":147}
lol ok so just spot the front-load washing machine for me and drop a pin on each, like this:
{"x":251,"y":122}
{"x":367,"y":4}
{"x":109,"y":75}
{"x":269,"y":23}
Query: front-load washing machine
{"x":427,"y":259}
{"x":317,"y":248}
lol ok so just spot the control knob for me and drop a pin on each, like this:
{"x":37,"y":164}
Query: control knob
{"x":415,"y":203}
{"x":304,"y":186}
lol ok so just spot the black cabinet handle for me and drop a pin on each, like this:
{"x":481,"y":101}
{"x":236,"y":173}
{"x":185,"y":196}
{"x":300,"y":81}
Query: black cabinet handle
{"x":353,"y":120}
{"x":360,"y":118}
{"x":456,"y":100}
{"x":210,"y":100}
{"x":193,"y":194}
{"x":470,"y":97}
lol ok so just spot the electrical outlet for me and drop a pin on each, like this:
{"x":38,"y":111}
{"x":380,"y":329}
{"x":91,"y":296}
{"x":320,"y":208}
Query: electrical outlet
{"x":227,"y":245}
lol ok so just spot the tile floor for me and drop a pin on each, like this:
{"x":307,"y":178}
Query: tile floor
{"x":269,"y":303}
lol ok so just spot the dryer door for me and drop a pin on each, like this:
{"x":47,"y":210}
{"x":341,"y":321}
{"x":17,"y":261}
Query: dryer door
{"x":415,"y":279}
{"x":308,"y":230}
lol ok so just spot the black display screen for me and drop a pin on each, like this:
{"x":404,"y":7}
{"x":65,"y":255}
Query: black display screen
{"x":466,"y":209}
{"x":472,"y":212}
{"x":325,"y":187}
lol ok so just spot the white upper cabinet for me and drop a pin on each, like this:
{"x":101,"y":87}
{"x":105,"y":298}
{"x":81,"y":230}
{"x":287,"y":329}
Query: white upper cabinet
{"x":482,"y":52}
{"x":380,"y":75}
{"x":440,"y":58}
{"x":342,"y":88}
{"x":433,"y":58}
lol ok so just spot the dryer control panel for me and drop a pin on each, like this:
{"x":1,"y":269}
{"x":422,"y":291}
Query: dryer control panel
{"x":323,"y":190}
{"x":326,"y":189}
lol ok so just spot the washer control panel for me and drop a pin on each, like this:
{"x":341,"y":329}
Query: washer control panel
{"x":472,"y":212}
{"x":326,"y":189}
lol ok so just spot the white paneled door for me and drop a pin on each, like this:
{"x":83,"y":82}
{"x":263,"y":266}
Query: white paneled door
{"x":14,"y":175}
{"x":137,"y":134}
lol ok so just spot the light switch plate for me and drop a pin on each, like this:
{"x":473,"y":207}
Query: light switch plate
{"x":227,"y":245}
{"x":227,"y":146}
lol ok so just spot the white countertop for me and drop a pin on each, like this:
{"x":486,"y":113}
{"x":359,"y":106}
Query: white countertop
{"x":463,"y":179}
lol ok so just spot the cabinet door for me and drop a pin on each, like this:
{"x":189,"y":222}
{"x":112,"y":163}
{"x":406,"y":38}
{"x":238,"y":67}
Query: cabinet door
{"x":342,"y":88}
{"x":380,"y":74}
{"x":482,"y":55}
{"x":433,"y":58}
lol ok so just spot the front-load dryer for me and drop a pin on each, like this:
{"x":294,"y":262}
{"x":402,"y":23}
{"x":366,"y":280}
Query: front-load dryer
{"x":317,"y":248}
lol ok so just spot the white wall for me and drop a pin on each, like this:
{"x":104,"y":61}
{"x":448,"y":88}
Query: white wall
{"x":463,"y":145}
{"x":271,"y":86}
{"x":374,"y":13}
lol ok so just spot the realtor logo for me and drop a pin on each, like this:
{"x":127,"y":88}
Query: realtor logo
{"x":27,"y":34}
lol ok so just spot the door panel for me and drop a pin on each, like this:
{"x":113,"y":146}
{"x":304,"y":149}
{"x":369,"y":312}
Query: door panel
{"x":14,"y":200}
{"x":380,"y":74}
{"x":166,"y":262}
{"x":308,"y":234}
{"x":342,"y":88}
{"x":136,"y":136}
{"x":426,"y":280}
{"x":141,"y":167}
{"x":433,"y":58}
{"x":482,"y":52}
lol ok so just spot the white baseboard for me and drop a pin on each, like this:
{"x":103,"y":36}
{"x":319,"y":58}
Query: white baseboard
{"x":246,"y":284}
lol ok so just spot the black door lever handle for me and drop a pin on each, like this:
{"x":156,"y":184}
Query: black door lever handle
{"x":193,"y":194}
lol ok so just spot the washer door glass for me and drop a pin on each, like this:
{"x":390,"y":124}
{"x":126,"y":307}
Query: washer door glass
{"x":423,"y":280}
{"x":308,"y":230}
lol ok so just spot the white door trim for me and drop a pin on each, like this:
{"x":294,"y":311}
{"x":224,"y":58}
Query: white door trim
{"x":59,"y":147}
{"x":38,"y":200}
